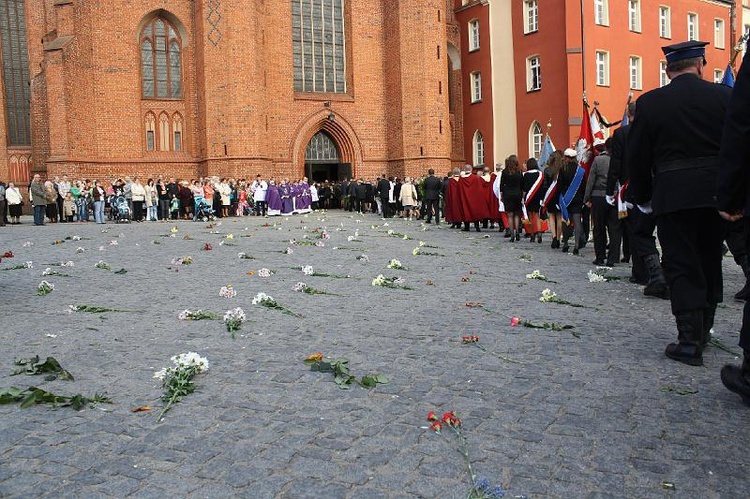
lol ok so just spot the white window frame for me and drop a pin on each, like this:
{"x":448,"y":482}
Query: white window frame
{"x":718,"y":75}
{"x":663,"y":78}
{"x":665,"y":21}
{"x":636,"y":82}
{"x":476,"y":87}
{"x":473,"y":35}
{"x":693,"y":25}
{"x":530,"y":16}
{"x":601,"y":12}
{"x":602,"y":68}
{"x":719,"y":33}
{"x":536,"y":139}
{"x":531,"y":67}
{"x":634,"y":15}
{"x":478,"y":148}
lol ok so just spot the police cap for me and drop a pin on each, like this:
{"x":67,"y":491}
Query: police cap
{"x":685,"y":50}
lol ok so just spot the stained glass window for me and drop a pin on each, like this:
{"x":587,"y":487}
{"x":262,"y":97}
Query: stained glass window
{"x":161,"y":65}
{"x":319,"y":46}
{"x":15,"y":64}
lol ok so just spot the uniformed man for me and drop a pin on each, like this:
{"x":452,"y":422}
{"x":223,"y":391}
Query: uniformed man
{"x":638,"y":226}
{"x":673,"y":148}
{"x":734,"y":204}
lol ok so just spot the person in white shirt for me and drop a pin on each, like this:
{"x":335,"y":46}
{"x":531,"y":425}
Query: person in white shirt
{"x":259,"y":189}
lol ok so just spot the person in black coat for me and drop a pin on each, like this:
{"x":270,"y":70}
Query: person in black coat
{"x":673,"y":148}
{"x":384,"y":188}
{"x":733,"y":199}
{"x":432,"y":188}
{"x":512,"y":195}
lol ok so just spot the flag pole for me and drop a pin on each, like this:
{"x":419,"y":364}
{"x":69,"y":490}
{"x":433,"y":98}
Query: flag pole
{"x":736,"y":51}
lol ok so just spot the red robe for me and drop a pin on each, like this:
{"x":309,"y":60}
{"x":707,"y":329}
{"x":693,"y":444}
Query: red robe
{"x":471,"y":200}
{"x":452,"y":208}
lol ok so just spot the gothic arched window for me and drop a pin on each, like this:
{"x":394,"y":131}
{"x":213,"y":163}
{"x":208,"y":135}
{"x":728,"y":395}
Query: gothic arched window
{"x":161,"y":66}
{"x":319,"y":46}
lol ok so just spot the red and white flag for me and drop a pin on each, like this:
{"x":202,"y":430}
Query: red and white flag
{"x":584,"y":146}
{"x":596,"y":128}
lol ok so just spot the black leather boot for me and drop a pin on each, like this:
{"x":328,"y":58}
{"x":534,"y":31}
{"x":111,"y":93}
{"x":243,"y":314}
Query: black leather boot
{"x":744,"y":293}
{"x":688,"y":349}
{"x":657,"y":285}
{"x":737,"y":379}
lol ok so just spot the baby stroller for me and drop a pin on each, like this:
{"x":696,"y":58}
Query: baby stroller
{"x":120,"y":209}
{"x":203,"y":212}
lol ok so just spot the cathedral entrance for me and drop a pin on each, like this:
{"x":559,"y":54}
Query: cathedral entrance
{"x":322,"y":160}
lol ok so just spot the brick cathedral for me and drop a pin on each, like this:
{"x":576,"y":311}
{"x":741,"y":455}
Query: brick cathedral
{"x":189,"y":88}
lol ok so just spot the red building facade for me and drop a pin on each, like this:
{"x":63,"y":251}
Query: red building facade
{"x":610,"y":50}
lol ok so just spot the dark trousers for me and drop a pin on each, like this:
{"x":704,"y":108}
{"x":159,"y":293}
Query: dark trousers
{"x":260,"y":208}
{"x":606,"y":224}
{"x":3,"y":207}
{"x":642,"y":241}
{"x":736,"y":237}
{"x":691,"y":243}
{"x":387,"y":213}
{"x":138,"y":210}
{"x":745,"y":330}
{"x":39,"y":211}
{"x":575,"y":229}
{"x":585,"y":226}
{"x":164,"y":209}
{"x":432,"y":205}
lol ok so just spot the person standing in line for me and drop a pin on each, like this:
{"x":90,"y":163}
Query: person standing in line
{"x":15,"y":203}
{"x":673,"y":149}
{"x":39,"y":198}
{"x":432,"y":188}
{"x":733,"y":198}
{"x":384,"y":193}
{"x":570,"y":189}
{"x":161,"y":191}
{"x":138,"y":196}
{"x":259,"y":188}
{"x":99,"y":196}
{"x":533,"y":192}
{"x":603,"y":214}
{"x":510,"y":189}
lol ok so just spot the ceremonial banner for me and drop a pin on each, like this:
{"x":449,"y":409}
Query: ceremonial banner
{"x":584,"y":149}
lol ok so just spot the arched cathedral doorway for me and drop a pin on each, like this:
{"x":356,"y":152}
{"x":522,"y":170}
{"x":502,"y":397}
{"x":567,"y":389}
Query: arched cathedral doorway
{"x":322,"y":159}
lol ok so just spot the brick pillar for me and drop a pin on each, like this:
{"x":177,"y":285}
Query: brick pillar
{"x":416,"y":63}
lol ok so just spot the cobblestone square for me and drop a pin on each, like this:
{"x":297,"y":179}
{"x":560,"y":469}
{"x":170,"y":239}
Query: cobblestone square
{"x":593,"y":411}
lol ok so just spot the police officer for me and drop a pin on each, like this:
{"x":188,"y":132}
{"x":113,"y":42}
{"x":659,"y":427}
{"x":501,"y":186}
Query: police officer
{"x":673,"y":148}
{"x":639,"y":227}
{"x":734,"y":204}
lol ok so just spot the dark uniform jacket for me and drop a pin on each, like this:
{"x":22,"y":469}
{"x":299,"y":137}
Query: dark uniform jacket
{"x":618,"y":160}
{"x":673,"y":144}
{"x":734,"y":157}
{"x":564,"y":180}
{"x":432,"y":187}
{"x":529,"y":178}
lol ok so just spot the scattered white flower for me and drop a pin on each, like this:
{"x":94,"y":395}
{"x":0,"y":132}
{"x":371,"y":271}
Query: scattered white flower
{"x":227,"y":291}
{"x":308,"y":270}
{"x":29,"y":265}
{"x":261,"y":298}
{"x":596,"y":277}
{"x":113,"y":243}
{"x":264,"y":272}
{"x":547,"y":295}
{"x":69,"y":263}
{"x":28,"y":244}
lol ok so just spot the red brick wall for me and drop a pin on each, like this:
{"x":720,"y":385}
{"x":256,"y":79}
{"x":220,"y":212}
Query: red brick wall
{"x":241,"y":114}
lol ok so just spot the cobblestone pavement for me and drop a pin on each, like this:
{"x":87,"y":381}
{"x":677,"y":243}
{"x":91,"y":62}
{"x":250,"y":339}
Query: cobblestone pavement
{"x":597,"y":411}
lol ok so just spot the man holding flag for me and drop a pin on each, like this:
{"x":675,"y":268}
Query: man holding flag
{"x":673,"y":148}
